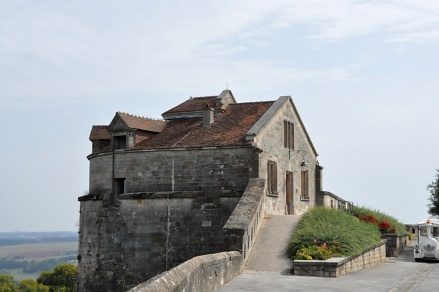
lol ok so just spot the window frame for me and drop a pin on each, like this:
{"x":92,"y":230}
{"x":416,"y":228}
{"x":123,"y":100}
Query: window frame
{"x":304,"y":185}
{"x":119,"y":185}
{"x":117,"y":142}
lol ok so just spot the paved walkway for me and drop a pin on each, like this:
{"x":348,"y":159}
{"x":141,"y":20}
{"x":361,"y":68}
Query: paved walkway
{"x":269,"y":251}
{"x":396,"y":274}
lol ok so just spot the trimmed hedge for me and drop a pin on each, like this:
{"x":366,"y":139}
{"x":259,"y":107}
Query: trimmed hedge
{"x":336,"y":231}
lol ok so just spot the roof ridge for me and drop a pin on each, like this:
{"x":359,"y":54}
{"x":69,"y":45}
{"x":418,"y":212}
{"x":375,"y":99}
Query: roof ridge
{"x":202,"y":97}
{"x":139,"y":116}
{"x":265,"y":101}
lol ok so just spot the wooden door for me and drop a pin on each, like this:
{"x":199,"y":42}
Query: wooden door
{"x":289,"y":193}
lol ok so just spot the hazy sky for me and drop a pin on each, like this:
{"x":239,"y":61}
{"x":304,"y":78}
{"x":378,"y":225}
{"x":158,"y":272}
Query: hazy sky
{"x":363,"y":74}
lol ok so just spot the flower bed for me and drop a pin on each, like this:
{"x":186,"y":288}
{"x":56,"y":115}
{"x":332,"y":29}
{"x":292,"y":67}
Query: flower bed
{"x":338,"y":266}
{"x":323,"y":233}
{"x":385,"y":223}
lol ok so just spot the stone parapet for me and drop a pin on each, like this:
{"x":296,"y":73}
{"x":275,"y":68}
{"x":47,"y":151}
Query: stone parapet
{"x":202,"y":273}
{"x":337,"y":266}
{"x":246,"y":219}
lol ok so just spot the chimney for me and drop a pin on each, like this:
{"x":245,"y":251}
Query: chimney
{"x":208,"y":117}
{"x":319,"y":178}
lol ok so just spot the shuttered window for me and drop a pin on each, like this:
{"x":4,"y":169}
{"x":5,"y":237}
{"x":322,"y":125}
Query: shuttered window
{"x":119,"y":184}
{"x":120,"y":142}
{"x":272,"y":177}
{"x":304,"y":185}
{"x":288,"y":135}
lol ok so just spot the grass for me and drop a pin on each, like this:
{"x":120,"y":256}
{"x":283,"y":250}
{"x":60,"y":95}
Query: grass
{"x":380,"y":216}
{"x":342,"y":233}
{"x":38,"y":250}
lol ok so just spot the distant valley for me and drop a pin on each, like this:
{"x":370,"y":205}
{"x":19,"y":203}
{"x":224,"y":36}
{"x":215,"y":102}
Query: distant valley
{"x":27,"y":254}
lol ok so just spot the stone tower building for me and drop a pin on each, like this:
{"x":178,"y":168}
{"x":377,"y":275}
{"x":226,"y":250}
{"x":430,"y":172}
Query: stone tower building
{"x":164,"y":191}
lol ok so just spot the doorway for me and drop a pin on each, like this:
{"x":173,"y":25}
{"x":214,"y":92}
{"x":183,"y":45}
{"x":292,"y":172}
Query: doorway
{"x":289,"y":193}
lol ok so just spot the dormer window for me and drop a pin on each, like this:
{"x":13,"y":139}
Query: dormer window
{"x":120,"y":142}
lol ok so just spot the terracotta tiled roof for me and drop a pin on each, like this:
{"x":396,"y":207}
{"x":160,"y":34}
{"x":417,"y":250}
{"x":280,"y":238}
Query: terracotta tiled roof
{"x":194,"y":104}
{"x":99,"y":132}
{"x":229,"y":128}
{"x":142,"y":123}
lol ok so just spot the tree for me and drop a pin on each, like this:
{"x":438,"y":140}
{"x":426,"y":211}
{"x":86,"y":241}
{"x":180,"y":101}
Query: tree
{"x":29,"y":285}
{"x":62,"y":278}
{"x":7,"y":283}
{"x":433,"y":188}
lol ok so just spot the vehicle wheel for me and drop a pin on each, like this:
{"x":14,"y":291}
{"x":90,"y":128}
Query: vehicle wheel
{"x":417,"y":260}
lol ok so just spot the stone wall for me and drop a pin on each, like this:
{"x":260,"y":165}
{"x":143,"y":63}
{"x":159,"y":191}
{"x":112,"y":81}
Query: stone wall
{"x":201,"y":169}
{"x":127,"y":241}
{"x":330,"y":200}
{"x":271,"y":141}
{"x":335,"y":267}
{"x":203,"y":273}
{"x":395,"y":244}
{"x":242,"y":227}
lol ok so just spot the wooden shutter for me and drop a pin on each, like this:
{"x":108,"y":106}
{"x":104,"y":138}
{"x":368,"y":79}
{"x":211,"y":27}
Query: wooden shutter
{"x":292,"y":136}
{"x":304,"y":185}
{"x":271,"y":177}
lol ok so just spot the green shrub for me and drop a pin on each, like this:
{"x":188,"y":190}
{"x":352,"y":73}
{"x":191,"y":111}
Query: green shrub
{"x":313,"y":252}
{"x":62,"y":278}
{"x":7,"y":283}
{"x":386,"y":223}
{"x":341,"y":233}
{"x":29,"y":285}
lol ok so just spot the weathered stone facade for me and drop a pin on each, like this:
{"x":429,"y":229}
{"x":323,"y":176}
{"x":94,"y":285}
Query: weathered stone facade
{"x":333,"y":201}
{"x":131,"y":238}
{"x":196,"y":169}
{"x":125,"y":243}
{"x":271,"y":140}
{"x":165,"y":191}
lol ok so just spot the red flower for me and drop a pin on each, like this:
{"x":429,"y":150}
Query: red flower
{"x":385,"y":226}
{"x":368,"y":218}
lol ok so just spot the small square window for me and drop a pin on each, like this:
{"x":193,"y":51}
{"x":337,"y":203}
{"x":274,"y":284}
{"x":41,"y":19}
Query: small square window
{"x":119,"y":186}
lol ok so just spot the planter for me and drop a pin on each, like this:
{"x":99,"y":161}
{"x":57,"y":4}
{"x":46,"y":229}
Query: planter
{"x":337,"y":266}
{"x":395,"y":244}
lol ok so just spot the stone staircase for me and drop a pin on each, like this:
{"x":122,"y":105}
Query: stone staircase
{"x":269,"y":251}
